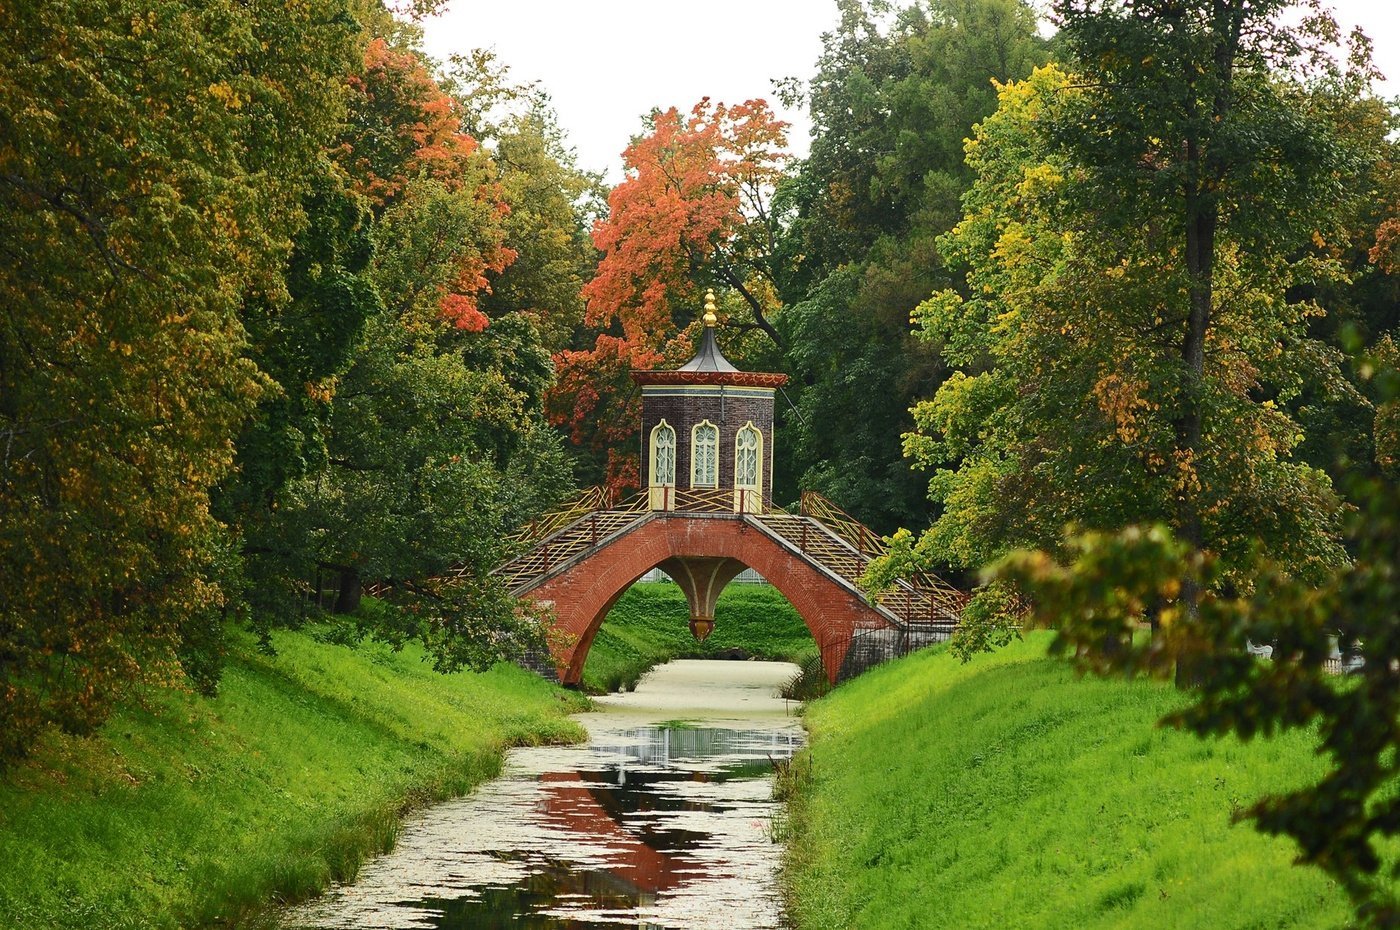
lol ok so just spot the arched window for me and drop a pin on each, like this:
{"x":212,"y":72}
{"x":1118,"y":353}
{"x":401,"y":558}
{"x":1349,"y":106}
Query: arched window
{"x":663,"y":454}
{"x":748,"y":458}
{"x":704,"y":455}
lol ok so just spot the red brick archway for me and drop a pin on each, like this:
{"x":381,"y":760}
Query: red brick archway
{"x":583,"y":593}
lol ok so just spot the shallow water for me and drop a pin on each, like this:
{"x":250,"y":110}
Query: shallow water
{"x":663,"y":820}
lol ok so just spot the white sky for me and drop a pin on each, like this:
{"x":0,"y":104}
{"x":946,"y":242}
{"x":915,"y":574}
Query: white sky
{"x":606,"y":63}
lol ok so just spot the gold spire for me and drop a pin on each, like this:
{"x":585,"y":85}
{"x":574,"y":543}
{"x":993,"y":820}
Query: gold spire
{"x":710,"y":318}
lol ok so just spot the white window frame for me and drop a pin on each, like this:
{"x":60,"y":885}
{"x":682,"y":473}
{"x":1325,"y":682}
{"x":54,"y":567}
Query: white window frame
{"x":656,"y":432}
{"x":749,"y":429}
{"x":696,"y":478}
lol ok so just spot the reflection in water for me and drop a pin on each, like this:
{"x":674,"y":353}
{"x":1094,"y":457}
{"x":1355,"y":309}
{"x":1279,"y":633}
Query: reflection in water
{"x":649,"y":826}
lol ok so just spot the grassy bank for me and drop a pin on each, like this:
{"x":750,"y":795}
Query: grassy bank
{"x":650,"y":625}
{"x":1008,"y":793}
{"x":186,"y":811}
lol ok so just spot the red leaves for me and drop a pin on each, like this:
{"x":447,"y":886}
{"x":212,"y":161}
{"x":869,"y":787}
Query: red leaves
{"x":416,"y":129}
{"x":405,"y":128}
{"x":1385,"y":253}
{"x":688,"y":182}
{"x":690,"y":191}
{"x":461,"y":311}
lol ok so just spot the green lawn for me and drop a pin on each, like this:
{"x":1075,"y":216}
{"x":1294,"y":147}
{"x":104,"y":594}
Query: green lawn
{"x":1007,"y":793}
{"x":650,"y":625}
{"x":186,"y":811}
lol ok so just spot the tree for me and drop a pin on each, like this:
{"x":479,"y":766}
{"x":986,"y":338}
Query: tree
{"x":552,"y":202}
{"x":303,"y":341}
{"x":152,"y":168}
{"x":1079,"y":335}
{"x":402,"y":437}
{"x":693,"y":210}
{"x":1195,"y":115}
{"x":894,"y":96}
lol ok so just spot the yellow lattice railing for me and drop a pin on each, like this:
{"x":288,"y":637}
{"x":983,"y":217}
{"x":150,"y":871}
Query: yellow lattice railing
{"x":861,"y":538}
{"x":921,"y":598}
{"x":592,"y":499}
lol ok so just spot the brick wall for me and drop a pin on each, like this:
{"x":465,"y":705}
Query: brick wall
{"x":582,"y":595}
{"x":729,"y":412}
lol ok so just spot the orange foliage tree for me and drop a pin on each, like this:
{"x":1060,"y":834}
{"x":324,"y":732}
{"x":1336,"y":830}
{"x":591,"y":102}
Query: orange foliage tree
{"x":694,"y":209}
{"x":405,"y":142}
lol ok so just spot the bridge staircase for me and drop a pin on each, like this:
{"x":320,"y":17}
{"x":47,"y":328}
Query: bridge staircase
{"x":923,"y":606}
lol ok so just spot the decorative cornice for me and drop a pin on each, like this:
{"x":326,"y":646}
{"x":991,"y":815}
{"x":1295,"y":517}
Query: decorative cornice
{"x":740,"y":378}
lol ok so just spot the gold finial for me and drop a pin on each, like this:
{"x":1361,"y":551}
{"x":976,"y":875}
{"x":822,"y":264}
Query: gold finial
{"x":710,"y":318}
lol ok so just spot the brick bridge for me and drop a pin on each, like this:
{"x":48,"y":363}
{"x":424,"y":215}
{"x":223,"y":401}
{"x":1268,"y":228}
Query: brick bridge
{"x":581,"y":559}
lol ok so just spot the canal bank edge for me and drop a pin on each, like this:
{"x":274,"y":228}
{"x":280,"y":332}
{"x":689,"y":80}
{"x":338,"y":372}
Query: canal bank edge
{"x":1006,"y":792}
{"x":185,"y":811}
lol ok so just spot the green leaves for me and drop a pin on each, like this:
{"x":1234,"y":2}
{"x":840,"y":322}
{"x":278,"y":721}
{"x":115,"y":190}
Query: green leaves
{"x":151,"y":170}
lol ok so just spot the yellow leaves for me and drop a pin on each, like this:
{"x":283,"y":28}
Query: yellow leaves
{"x":1120,"y":399}
{"x":322,"y":391}
{"x":1039,"y":179}
{"x":222,"y":92}
{"x":1188,"y":479}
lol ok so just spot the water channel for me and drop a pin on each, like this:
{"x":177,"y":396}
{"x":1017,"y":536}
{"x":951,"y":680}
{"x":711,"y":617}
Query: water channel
{"x":663,"y":820}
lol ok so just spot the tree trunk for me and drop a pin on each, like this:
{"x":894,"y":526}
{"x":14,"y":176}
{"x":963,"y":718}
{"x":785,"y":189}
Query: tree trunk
{"x":348,"y":600}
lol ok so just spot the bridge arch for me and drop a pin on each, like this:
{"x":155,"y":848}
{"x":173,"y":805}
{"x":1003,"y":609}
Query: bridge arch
{"x":714,"y":548}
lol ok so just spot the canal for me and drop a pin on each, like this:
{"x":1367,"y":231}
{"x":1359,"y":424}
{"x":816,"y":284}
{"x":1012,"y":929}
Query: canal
{"x":663,"y":820}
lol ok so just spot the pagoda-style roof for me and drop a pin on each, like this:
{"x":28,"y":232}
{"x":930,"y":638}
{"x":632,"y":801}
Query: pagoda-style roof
{"x":709,"y":366}
{"x":709,"y":358}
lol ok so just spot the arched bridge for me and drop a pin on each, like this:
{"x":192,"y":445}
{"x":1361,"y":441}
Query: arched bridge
{"x":581,"y":559}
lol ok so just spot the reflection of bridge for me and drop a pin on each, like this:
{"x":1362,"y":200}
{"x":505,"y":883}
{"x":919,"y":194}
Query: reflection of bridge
{"x":580,"y":560}
{"x":614,"y":810}
{"x":679,"y":747}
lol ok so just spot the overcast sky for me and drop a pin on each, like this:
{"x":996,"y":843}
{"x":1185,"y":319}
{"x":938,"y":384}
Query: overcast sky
{"x":606,"y":63}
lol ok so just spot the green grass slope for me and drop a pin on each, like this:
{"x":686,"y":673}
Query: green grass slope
{"x":650,"y":625}
{"x":187,"y":812}
{"x":1007,"y":793}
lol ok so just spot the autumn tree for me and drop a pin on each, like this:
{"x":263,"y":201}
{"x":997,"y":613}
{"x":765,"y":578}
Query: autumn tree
{"x":1213,"y":93}
{"x":694,"y":210}
{"x":1080,"y":399}
{"x":552,"y":201}
{"x":152,"y":174}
